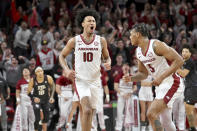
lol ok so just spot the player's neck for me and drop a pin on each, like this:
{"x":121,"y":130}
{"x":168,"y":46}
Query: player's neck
{"x":144,"y":43}
{"x":87,"y":36}
{"x":40,"y":79}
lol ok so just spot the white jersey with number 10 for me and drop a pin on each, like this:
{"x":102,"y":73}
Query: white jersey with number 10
{"x":88,"y":58}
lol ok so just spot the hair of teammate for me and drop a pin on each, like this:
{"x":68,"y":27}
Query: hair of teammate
{"x":142,"y":29}
{"x":187,"y":46}
{"x":86,"y":12}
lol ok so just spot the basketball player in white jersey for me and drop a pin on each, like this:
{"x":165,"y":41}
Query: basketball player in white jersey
{"x":89,"y":48}
{"x":146,"y":98}
{"x":65,"y":93}
{"x":26,"y":109}
{"x":124,"y":93}
{"x":153,"y":57}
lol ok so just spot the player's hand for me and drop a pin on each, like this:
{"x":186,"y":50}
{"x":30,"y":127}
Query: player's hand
{"x":107,"y":66}
{"x":107,"y":99}
{"x":67,"y":125}
{"x":1,"y":101}
{"x":8,"y":97}
{"x":36,"y":100}
{"x":127,"y":96}
{"x":65,"y":99}
{"x":70,"y":74}
{"x":157,"y":81}
{"x":51,"y":100}
{"x":127,"y":78}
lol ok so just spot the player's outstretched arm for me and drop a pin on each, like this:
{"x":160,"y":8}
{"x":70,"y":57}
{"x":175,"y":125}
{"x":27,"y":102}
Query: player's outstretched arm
{"x":105,"y":54}
{"x":161,"y":49}
{"x":140,"y":75}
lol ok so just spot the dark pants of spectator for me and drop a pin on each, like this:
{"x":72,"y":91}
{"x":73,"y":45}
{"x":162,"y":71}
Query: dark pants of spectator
{"x":21,"y":52}
{"x":12,"y":100}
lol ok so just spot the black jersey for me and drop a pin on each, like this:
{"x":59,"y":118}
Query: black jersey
{"x":41,"y":90}
{"x":190,"y":79}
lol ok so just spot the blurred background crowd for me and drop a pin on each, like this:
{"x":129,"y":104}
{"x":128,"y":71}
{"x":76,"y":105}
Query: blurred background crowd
{"x":30,"y":26}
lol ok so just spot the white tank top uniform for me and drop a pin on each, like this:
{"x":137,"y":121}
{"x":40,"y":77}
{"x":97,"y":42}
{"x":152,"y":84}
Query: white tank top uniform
{"x":87,"y":67}
{"x":145,"y":93}
{"x":172,"y":86}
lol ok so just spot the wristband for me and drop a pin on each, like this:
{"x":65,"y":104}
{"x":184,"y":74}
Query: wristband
{"x":18,"y":99}
{"x":68,"y":124}
{"x":107,"y":96}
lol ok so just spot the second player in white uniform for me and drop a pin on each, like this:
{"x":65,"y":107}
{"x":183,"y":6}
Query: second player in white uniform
{"x":153,"y":56}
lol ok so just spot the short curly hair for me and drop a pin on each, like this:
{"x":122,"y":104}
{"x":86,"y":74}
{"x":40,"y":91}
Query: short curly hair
{"x":142,"y":29}
{"x":81,"y":14}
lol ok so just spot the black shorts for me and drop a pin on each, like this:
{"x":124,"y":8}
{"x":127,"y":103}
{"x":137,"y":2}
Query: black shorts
{"x":190,"y":95}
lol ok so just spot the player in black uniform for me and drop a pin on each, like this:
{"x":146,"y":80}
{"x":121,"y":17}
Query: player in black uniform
{"x":189,"y":73}
{"x":43,"y":92}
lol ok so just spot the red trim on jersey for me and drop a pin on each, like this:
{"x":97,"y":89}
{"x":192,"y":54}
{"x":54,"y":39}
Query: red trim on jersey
{"x":87,"y":43}
{"x":147,"y":48}
{"x":38,"y":62}
{"x":173,"y":89}
{"x":46,"y":52}
{"x":169,"y":62}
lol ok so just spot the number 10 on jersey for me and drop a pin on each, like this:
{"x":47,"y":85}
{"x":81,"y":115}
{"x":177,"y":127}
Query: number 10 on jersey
{"x":87,"y":56}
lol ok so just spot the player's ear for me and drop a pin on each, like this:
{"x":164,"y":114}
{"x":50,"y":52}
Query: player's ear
{"x":82,"y":24}
{"x":138,"y":34}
